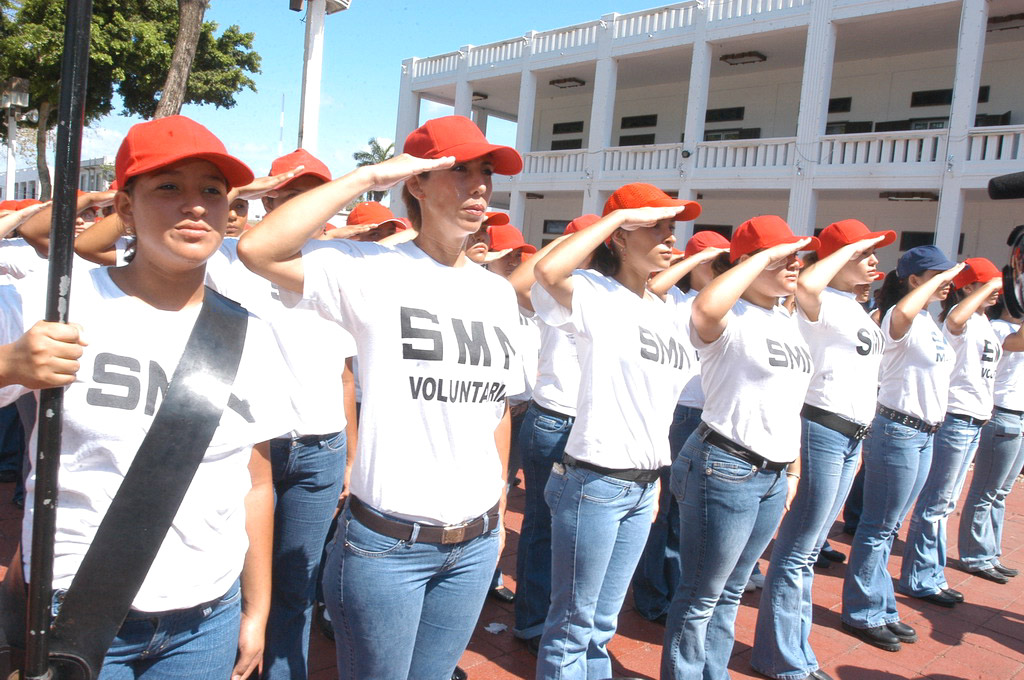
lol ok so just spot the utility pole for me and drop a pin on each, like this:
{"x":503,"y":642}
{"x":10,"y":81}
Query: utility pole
{"x":312,"y":69}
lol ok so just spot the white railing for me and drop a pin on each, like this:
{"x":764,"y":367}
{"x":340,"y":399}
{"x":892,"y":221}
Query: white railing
{"x":650,"y":157}
{"x":651,"y":22}
{"x":554,"y":162}
{"x":747,"y":153}
{"x":907,"y":147}
{"x":719,"y":10}
{"x":562,"y":39}
{"x":432,"y":66}
{"x":495,"y":53}
{"x":998,"y":143}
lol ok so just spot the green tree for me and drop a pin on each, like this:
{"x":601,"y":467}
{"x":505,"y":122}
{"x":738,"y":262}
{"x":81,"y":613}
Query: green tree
{"x":376,"y":153}
{"x":130,"y":55}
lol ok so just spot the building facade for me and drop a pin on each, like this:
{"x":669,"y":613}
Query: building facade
{"x":94,"y":174}
{"x":894,"y":112}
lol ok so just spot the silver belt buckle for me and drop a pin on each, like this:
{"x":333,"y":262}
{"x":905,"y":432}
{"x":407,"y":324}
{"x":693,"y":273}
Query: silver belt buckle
{"x":453,"y":533}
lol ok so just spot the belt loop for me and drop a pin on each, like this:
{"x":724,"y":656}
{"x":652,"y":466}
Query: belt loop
{"x":487,"y":522}
{"x":415,"y":533}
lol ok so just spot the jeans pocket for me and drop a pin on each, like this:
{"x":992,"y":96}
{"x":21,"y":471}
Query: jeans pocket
{"x":548,"y":424}
{"x":898,"y":431}
{"x":554,"y":486}
{"x":336,"y":443}
{"x":728,"y":468}
{"x":365,"y":542}
{"x":602,"y":489}
{"x":680,"y":474}
{"x":1006,"y":431}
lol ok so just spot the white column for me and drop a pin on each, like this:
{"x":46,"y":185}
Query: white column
{"x":463,"y":90}
{"x":12,"y":163}
{"x":527,"y":110}
{"x":697,"y":92}
{"x":815,"y":87}
{"x":967,"y":78}
{"x":312,"y":71}
{"x":602,"y":112}
{"x":408,"y":106}
{"x":480,"y":117}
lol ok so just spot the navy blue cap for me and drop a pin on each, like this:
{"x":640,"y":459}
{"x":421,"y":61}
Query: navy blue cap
{"x":921,"y":259}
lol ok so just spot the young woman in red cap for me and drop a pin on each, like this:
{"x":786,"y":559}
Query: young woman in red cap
{"x":417,"y":543}
{"x":912,"y":398}
{"x":846,"y":350}
{"x":738,"y":471}
{"x":971,"y":390}
{"x":603,"y":493}
{"x":206,"y":597}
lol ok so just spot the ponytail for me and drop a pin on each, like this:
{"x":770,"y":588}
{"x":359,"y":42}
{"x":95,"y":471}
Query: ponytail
{"x":893,"y":289}
{"x":606,"y":260}
{"x":721,"y":263}
{"x":954,"y":298}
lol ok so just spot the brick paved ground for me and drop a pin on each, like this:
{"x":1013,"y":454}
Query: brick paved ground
{"x":981,"y":639}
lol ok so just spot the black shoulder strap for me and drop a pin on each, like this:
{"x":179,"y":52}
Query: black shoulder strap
{"x":141,"y":513}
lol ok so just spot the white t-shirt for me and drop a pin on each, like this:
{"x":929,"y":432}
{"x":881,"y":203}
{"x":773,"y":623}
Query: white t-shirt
{"x":558,"y":371}
{"x":972,"y":382}
{"x":914,"y":377}
{"x":132,"y":353}
{"x":692,"y":395}
{"x":755,"y":377}
{"x":846,"y":350}
{"x":1009,"y":389}
{"x":11,"y":328}
{"x":314,"y":348}
{"x":633,"y":365}
{"x":437,"y":360}
{"x":18,"y":259}
{"x":528,"y":346}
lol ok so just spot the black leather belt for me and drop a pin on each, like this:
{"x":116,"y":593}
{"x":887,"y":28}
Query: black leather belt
{"x":629,"y":475}
{"x":447,"y":535}
{"x":908,"y":420}
{"x":552,"y":412}
{"x":743,"y":453}
{"x":977,"y":422}
{"x":309,"y":439}
{"x":1019,"y":414}
{"x":834,"y":421}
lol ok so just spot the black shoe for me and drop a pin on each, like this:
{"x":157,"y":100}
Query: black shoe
{"x":879,"y":636}
{"x":459,"y":674}
{"x":832,"y":555}
{"x":904,"y":632}
{"x":822,"y":562}
{"x":819,"y":675}
{"x":532,"y":644}
{"x":991,"y":574}
{"x":955,"y":594}
{"x":322,"y":622}
{"x":1005,"y":571}
{"x":502,"y":594}
{"x":940,"y":598}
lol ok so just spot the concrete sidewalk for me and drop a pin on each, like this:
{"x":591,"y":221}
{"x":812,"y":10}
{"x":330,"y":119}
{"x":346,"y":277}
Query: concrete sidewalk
{"x":981,"y":639}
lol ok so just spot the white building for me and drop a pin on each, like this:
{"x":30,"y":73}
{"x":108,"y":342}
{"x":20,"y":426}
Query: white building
{"x":94,"y":174}
{"x":894,"y":112}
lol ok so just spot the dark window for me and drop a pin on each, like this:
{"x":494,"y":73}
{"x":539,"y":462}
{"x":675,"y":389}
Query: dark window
{"x":567,"y":128}
{"x":564,"y":144}
{"x":723,"y":229}
{"x":555,"y":227}
{"x":636,"y":140}
{"x":848,"y":127}
{"x":988,"y":119}
{"x":892,"y":125}
{"x":631,"y":122}
{"x":724,"y":115}
{"x":942,"y":97}
{"x":840,"y":104}
{"x":913,"y":239}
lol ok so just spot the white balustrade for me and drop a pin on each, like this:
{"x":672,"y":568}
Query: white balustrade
{"x":495,"y":53}
{"x":554,"y":162}
{"x":778,"y":152}
{"x":906,"y":147}
{"x":719,"y":10}
{"x":433,"y":66}
{"x":652,"y":22}
{"x":561,"y":39}
{"x":998,"y":143}
{"x":646,"y":158}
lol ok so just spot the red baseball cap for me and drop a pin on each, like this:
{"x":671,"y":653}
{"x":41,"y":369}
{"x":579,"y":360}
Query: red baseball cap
{"x":977,"y":269}
{"x":844,"y":232}
{"x":703,"y":240}
{"x":311,"y":165}
{"x":158,"y":143}
{"x":764,"y":231}
{"x":114,"y":186}
{"x":495,"y":218}
{"x":640,"y":195}
{"x":370,"y":212}
{"x":504,"y":239}
{"x":458,"y":136}
{"x":581,"y":223}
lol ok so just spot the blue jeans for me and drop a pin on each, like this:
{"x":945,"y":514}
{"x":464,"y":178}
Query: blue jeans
{"x":200,"y":642}
{"x":657,"y":576}
{"x":403,"y":609}
{"x":896,"y":462}
{"x":999,"y":459}
{"x":924,"y":557}
{"x":542,"y":439}
{"x":729,"y":511}
{"x":781,"y":645}
{"x":599,"y":525}
{"x":308,"y":475}
{"x":854,"y":503}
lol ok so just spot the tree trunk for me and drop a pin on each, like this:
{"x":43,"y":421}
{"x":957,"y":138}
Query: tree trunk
{"x":45,"y":186}
{"x":190,"y":23}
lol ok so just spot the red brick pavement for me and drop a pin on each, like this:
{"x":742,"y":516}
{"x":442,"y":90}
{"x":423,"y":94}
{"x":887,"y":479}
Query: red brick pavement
{"x":982,"y":639}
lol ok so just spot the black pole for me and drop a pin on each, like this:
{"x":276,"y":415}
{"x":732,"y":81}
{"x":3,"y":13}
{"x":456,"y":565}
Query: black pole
{"x":70,"y":119}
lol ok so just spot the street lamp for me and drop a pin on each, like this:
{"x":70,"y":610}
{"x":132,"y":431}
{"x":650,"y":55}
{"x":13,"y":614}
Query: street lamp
{"x":312,"y":70}
{"x":13,"y":97}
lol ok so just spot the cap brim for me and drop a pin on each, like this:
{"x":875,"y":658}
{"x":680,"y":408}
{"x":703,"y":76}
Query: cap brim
{"x":689,"y":210}
{"x":528,"y":249}
{"x":304,"y":173}
{"x":496,"y":219}
{"x":507,"y":160}
{"x":235,"y":171}
{"x":888,"y":238}
{"x":495,"y":255}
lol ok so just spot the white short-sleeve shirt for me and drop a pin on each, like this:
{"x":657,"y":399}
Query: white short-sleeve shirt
{"x":978,"y":351}
{"x":914,"y":376}
{"x":1009,"y":386}
{"x":692,"y":395}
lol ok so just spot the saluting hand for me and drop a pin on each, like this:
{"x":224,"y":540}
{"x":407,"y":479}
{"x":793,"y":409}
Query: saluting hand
{"x":265,"y":186}
{"x":864,"y":245}
{"x":45,"y":356}
{"x":779,"y":255}
{"x":636,"y":218}
{"x":398,"y":168}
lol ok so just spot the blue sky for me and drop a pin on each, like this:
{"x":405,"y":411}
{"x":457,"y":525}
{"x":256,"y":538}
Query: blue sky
{"x":364,"y":49}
